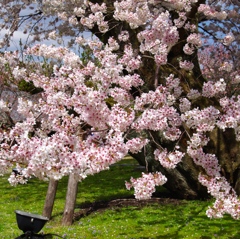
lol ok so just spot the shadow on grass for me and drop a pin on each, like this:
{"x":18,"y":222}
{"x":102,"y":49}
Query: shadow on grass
{"x":187,"y":220}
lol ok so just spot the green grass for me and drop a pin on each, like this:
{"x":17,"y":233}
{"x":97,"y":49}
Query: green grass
{"x":186,"y":219}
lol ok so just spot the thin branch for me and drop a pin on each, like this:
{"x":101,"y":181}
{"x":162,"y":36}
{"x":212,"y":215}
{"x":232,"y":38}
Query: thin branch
{"x":32,"y":28}
{"x":209,"y":33}
{"x":31,"y":15}
{"x":154,"y":140}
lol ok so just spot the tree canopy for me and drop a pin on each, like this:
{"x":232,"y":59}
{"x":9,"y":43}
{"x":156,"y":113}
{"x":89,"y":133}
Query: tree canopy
{"x":159,"y":82}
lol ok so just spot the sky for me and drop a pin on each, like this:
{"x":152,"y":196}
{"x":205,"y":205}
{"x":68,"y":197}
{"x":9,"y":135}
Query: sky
{"x":25,"y":38}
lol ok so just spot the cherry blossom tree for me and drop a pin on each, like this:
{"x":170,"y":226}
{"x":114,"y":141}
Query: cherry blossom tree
{"x":160,"y":84}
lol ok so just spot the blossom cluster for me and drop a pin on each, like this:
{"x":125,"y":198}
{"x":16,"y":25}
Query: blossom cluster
{"x":97,"y":16}
{"x":128,"y":60}
{"x":135,"y":145}
{"x":231,"y":117}
{"x":160,"y":38}
{"x":168,"y":160}
{"x":182,"y":5}
{"x":187,"y":65}
{"x":144,"y":186}
{"x":134,"y":12}
{"x":157,"y":113}
{"x":193,"y":42}
{"x":227,"y":201}
{"x":210,"y":12}
{"x":211,"y":89}
{"x":228,"y":39}
{"x":201,"y":120}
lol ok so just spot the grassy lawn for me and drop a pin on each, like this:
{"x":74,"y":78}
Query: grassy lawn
{"x":166,"y":219}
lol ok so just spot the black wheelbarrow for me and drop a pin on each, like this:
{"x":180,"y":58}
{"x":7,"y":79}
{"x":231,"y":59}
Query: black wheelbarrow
{"x":31,"y":224}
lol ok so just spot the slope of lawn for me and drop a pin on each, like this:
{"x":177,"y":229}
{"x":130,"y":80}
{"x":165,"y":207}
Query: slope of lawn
{"x":160,"y":219}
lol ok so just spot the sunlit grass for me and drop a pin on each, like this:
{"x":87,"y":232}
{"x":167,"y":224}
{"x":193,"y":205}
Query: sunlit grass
{"x":182,"y":219}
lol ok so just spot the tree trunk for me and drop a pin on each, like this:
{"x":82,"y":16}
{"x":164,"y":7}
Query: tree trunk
{"x":227,"y":150}
{"x":50,"y":197}
{"x":183,"y":180}
{"x":70,"y":200}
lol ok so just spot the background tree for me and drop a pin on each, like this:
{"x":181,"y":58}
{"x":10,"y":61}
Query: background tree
{"x":149,"y":90}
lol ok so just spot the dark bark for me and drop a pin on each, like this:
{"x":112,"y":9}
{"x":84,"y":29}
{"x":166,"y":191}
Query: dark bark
{"x":182,"y":181}
{"x":6,"y":121}
{"x":227,"y":149}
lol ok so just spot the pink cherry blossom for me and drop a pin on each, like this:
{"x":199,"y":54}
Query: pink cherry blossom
{"x":144,"y":187}
{"x":156,"y":74}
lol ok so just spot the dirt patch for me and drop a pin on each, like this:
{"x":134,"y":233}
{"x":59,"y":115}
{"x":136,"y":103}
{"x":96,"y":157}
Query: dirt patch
{"x":88,"y":208}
